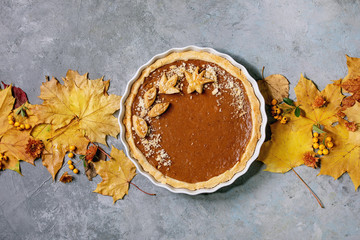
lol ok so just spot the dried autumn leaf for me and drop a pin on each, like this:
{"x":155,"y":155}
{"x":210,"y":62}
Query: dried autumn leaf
{"x":90,"y":153}
{"x":168,"y":86}
{"x":319,"y":102}
{"x":12,"y":141}
{"x":57,"y":143}
{"x":90,"y":171}
{"x":348,"y":102}
{"x":344,"y":157}
{"x":158,"y":109}
{"x":19,"y":95}
{"x":149,"y":97}
{"x":116,"y":175}
{"x":66,"y":178}
{"x":79,"y":104}
{"x":275,"y":86}
{"x":140,"y":126}
{"x":354,"y":116}
{"x":351,"y":82}
{"x":286,"y":148}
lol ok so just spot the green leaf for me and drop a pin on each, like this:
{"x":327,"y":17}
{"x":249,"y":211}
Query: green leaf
{"x":84,"y":163}
{"x":317,"y":129}
{"x":18,"y":111}
{"x":289,"y":102}
{"x":23,"y":113}
{"x":297,"y":111}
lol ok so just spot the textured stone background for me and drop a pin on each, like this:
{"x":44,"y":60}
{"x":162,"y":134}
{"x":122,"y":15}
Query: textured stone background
{"x":39,"y":38}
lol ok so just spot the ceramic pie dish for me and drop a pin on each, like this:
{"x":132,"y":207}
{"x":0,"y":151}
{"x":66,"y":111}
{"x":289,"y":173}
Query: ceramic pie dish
{"x":192,"y":120}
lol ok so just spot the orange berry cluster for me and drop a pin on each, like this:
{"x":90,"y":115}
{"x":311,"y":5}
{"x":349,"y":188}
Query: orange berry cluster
{"x":276,"y":112}
{"x":3,"y":158}
{"x":70,"y":163}
{"x":18,"y":125}
{"x":324,"y":147}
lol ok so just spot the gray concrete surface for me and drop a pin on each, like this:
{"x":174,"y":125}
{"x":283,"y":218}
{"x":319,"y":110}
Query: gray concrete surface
{"x":39,"y":38}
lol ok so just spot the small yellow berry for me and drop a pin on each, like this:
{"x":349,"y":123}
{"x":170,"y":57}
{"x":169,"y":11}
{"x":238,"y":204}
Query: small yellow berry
{"x":315,"y":134}
{"x":274,"y":102}
{"x":27,"y":126}
{"x":71,"y":155}
{"x":69,"y":162}
{"x":329,"y":144}
{"x":22,"y":126}
{"x":284,"y":119}
{"x":325,"y":152}
{"x":328,"y":139}
{"x":316,"y":145}
{"x":11,"y":122}
{"x":278,"y":111}
{"x":315,"y":140}
{"x":72,"y":148}
{"x":273,"y":108}
{"x":322,"y":147}
{"x":71,"y":167}
{"x":1,"y":157}
{"x":76,"y":171}
{"x":320,"y":152}
{"x":5,"y":158}
{"x":16,"y":124}
{"x":19,"y":128}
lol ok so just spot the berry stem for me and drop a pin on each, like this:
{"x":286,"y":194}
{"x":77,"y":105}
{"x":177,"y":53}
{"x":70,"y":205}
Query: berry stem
{"x":317,"y":199}
{"x":151,"y":194}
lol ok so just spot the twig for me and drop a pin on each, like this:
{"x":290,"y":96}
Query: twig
{"x":151,"y":194}
{"x":318,"y":200}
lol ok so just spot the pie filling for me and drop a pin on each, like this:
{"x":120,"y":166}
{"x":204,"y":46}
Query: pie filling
{"x":196,"y":136}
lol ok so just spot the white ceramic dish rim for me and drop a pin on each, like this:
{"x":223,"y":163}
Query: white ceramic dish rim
{"x":258,"y":145}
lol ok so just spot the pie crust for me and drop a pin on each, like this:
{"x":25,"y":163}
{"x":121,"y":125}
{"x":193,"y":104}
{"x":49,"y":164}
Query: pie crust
{"x":256,"y":120}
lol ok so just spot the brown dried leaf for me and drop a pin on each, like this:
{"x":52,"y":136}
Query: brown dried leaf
{"x":66,"y":178}
{"x":351,"y":126}
{"x":90,"y":171}
{"x":149,"y":97}
{"x":158,"y":109}
{"x":319,"y":102}
{"x":348,"y":102}
{"x":90,"y":153}
{"x":275,"y":86}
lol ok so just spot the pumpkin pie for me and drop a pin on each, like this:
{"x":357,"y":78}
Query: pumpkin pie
{"x":192,"y":120}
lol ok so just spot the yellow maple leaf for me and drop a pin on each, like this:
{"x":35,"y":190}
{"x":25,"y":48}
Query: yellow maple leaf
{"x":353,"y":115}
{"x":286,"y":148}
{"x":116,"y":175}
{"x":57,"y":143}
{"x":80,"y":104}
{"x":71,"y":114}
{"x":353,"y":65}
{"x":294,"y":138}
{"x":344,"y":157}
{"x":12,"y":141}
